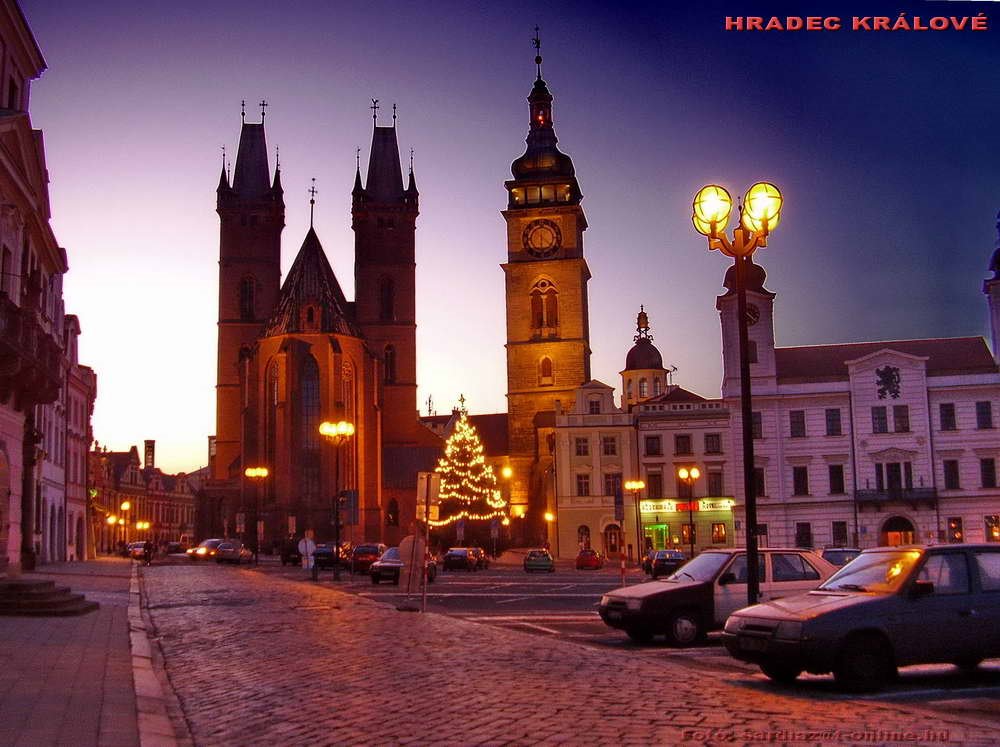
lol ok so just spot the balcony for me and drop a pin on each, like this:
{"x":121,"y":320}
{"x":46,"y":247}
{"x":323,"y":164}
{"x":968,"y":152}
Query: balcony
{"x":915,"y":497}
{"x":30,"y":358}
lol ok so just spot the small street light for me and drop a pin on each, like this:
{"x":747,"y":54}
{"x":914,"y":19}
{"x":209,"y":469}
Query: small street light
{"x":688,"y":476}
{"x":338,"y":433}
{"x":759,"y":215}
{"x":125,"y":507}
{"x":256,"y":475}
{"x":635,"y":487}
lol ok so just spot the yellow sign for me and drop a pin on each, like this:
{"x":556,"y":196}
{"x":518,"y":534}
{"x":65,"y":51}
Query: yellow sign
{"x":716,"y":504}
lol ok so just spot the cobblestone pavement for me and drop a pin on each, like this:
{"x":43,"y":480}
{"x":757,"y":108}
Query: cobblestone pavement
{"x":258,"y":659}
{"x":68,"y":680}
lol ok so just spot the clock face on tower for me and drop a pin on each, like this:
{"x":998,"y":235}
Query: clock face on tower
{"x":542,"y":238}
{"x":753,"y":315}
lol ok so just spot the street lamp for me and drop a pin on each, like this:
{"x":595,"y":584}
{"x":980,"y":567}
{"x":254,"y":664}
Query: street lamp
{"x":339,"y":433}
{"x":759,"y":214}
{"x":634,"y":487}
{"x":688,"y":476}
{"x":256,"y":475}
{"x":125,"y":507}
{"x":112,"y":521}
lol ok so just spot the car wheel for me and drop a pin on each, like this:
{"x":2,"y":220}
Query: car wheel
{"x":968,"y":665}
{"x":375,"y":579}
{"x":685,"y":628}
{"x":639,"y":635}
{"x":864,"y":665}
{"x":784,"y":674}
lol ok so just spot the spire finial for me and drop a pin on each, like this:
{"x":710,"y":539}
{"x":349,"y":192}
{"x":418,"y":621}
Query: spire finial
{"x":243,"y":110}
{"x":411,"y":160}
{"x":277,"y":158}
{"x":642,"y":325}
{"x":374,"y":108}
{"x":223,"y":156}
{"x":357,"y":157}
{"x":536,"y":42}
{"x":393,"y":115}
{"x":312,"y":201}
{"x":263,"y":108}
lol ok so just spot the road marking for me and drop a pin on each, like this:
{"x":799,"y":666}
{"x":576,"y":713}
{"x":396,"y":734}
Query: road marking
{"x":516,"y":599}
{"x":542,"y":628}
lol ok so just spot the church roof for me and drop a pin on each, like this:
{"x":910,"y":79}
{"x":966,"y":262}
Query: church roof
{"x":946,"y":356}
{"x":385,"y":177}
{"x":251,"y":176}
{"x":311,"y":282}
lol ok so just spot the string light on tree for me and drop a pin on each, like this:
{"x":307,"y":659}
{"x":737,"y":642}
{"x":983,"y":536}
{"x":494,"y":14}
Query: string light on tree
{"x":468,"y":485}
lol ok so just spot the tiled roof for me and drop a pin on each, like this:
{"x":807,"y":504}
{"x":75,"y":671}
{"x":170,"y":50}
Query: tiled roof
{"x":675,"y":394}
{"x":955,"y":355}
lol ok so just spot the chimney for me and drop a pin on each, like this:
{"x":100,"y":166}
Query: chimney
{"x":150,"y":460}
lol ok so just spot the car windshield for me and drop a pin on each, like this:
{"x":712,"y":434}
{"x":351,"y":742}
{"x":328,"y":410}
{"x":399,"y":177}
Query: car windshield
{"x":538,"y":554}
{"x":840,"y":557}
{"x":457,"y":551}
{"x":702,"y":568}
{"x":391,"y":554}
{"x":880,"y":572}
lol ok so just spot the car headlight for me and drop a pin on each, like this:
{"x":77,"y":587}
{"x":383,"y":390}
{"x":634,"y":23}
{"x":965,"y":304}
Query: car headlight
{"x":633,"y":604}
{"x":789,"y":630}
{"x":733,"y":624}
{"x":200,"y":551}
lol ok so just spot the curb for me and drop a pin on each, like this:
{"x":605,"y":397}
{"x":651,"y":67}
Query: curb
{"x":156,"y":729}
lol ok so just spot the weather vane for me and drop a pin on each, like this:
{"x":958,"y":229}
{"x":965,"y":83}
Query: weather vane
{"x":243,"y":109}
{"x":536,"y":42}
{"x":374,"y":108}
{"x":263,"y":107}
{"x":312,"y":200}
{"x":411,"y":160}
{"x":461,"y":402}
{"x":393,"y":115}
{"x":277,"y":158}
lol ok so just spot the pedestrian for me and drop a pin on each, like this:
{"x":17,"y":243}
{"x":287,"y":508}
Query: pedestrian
{"x":147,"y":552}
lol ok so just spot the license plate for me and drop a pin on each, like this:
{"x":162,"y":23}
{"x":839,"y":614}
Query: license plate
{"x":752,"y":644}
{"x":614,"y":615}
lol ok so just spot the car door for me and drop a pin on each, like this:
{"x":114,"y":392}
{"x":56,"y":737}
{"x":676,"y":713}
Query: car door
{"x":790,"y":573}
{"x":986,"y":610}
{"x":731,"y":591}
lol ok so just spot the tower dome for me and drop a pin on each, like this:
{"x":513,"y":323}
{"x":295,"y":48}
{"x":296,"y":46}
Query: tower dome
{"x":643,"y":355}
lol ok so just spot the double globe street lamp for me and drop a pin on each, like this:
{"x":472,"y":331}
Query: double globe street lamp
{"x":759,"y":215}
{"x":688,"y":476}
{"x":635,"y":487}
{"x":338,"y":433}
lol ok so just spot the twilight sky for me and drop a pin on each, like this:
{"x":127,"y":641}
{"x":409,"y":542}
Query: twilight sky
{"x":885,"y":146}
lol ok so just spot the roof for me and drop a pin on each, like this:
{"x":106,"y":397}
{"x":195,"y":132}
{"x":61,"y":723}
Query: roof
{"x":643,"y":356}
{"x":311,"y":282}
{"x":385,"y":178}
{"x":492,"y":430}
{"x":945,"y":356}
{"x":251,"y":174}
{"x":675,"y":394}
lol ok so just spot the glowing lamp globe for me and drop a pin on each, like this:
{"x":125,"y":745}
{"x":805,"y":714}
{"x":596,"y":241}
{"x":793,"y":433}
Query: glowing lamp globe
{"x":705,"y":229}
{"x":712,"y":205}
{"x":762,"y":207}
{"x":759,"y":226}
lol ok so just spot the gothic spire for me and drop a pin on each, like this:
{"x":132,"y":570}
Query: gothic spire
{"x":251,"y":177}
{"x":385,"y":177}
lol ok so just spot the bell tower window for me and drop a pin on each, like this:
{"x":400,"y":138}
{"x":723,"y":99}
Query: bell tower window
{"x":248,"y":288}
{"x":545,"y":377}
{"x":544,"y":308}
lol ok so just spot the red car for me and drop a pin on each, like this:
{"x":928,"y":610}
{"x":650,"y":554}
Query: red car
{"x":364,"y":555}
{"x":589,"y":560}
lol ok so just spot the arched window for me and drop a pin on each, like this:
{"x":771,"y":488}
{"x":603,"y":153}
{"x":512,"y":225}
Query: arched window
{"x":657,"y":387}
{"x":386,"y":300}
{"x":544,"y":306}
{"x":628,"y":389}
{"x":643,"y":389}
{"x":270,"y":411}
{"x":390,"y":364}
{"x":309,"y":428}
{"x":248,"y":287}
{"x":545,"y":376}
{"x":392,"y":513}
{"x":583,"y":536}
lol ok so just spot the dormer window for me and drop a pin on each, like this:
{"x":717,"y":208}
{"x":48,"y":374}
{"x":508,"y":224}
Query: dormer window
{"x":310,"y":318}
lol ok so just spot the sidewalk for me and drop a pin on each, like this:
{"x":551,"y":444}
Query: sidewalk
{"x":68,"y":680}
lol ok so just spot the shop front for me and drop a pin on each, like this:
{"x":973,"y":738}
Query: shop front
{"x":671,"y":524}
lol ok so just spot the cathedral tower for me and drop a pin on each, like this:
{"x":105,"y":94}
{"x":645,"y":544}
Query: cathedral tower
{"x":548,"y":332}
{"x":251,"y":216}
{"x":384,"y":218}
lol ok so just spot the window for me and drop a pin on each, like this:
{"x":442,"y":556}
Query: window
{"x":386,"y":300}
{"x":682,"y":443}
{"x":713,"y":443}
{"x":545,"y":377}
{"x":757,"y":425}
{"x":758,"y":481}
{"x":800,"y":481}
{"x":594,"y":407}
{"x":654,"y":485}
{"x":612,"y":483}
{"x":718,"y":533}
{"x":609,"y":446}
{"x":984,"y":415}
{"x":836,"y":479}
{"x":751,"y":351}
{"x":739,"y":567}
{"x":392,"y":513}
{"x":643,"y":389}
{"x":544,"y":306}
{"x":582,"y":446}
{"x":947,"y":414}
{"x":833,"y":427}
{"x":247,"y":288}
{"x":989,"y":569}
{"x":797,"y":423}
{"x":786,"y":566}
{"x":955,"y":534}
{"x":880,"y":421}
{"x":309,"y":412}
{"x":948,"y":572}
{"x":583,"y":484}
{"x":653,"y":446}
{"x":840,"y":533}
{"x":901,"y":418}
{"x":992,"y":528}
{"x":688,"y":534}
{"x":390,"y":364}
{"x":803,"y":534}
{"x":583,"y":536}
{"x":657,"y":387}
{"x":715,"y":487}
{"x":988,"y":472}
{"x":951,"y":481}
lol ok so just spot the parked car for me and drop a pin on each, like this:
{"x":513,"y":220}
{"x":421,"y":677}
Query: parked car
{"x":589,"y":559}
{"x":363,"y":556}
{"x":289,"y":551}
{"x":482,"y":559}
{"x":666,"y":562}
{"x":325,"y":555}
{"x":390,"y":566}
{"x":889,"y":607}
{"x":839,"y":556}
{"x":205,"y":550}
{"x":539,"y":560}
{"x":459,"y":559}
{"x":700,"y":595}
{"x":233,"y":552}
{"x":136,"y":550}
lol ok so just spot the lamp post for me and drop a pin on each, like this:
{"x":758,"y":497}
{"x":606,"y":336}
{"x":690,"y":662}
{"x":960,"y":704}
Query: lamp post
{"x":552,"y":529}
{"x":505,"y":474}
{"x":338,"y":433}
{"x":634,"y":487}
{"x":256,"y":475}
{"x":125,"y":507}
{"x":759,"y":215}
{"x":688,"y":476}
{"x":112,"y":522}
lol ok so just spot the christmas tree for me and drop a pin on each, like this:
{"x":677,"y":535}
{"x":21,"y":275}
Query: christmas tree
{"x":468,"y":485}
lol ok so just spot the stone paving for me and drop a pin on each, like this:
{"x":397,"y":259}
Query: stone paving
{"x":258,"y":659}
{"x":68,"y":680}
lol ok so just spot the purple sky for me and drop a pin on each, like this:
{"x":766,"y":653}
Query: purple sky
{"x":885,"y":146}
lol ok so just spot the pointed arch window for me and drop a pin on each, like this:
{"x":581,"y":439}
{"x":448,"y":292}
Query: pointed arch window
{"x":545,"y":373}
{"x":386,"y":300}
{"x":248,"y":291}
{"x":392,"y":513}
{"x":544,"y":307}
{"x":309,"y":407}
{"x":310,"y":318}
{"x":389,"y":360}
